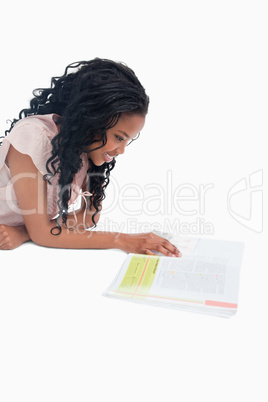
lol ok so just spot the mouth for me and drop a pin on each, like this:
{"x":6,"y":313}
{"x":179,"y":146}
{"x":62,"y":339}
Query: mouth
{"x":107,"y":157}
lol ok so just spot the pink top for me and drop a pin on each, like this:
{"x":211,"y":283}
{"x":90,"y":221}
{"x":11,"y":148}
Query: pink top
{"x":32,"y":136}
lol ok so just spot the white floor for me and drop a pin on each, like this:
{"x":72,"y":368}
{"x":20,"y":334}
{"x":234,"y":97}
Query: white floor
{"x":61,"y":340}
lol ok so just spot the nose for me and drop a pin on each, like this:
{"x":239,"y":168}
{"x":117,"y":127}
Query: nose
{"x":121,"y":148}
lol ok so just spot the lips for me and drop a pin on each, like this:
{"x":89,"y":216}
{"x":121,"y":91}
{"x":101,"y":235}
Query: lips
{"x":107,"y":157}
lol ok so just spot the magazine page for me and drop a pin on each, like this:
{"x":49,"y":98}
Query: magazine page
{"x":206,"y":279}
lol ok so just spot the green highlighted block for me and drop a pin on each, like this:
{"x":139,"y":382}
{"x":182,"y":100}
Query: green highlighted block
{"x":140,"y":275}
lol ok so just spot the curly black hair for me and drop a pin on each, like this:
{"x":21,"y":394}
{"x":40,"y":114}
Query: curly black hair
{"x":90,"y":97}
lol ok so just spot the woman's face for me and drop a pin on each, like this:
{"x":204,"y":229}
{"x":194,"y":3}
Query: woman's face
{"x":126,"y":129}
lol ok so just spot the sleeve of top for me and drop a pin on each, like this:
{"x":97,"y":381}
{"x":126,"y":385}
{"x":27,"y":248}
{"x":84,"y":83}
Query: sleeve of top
{"x":30,"y":138}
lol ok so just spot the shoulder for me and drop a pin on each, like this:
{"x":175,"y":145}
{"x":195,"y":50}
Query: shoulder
{"x":37,"y":124}
{"x":32,"y":136}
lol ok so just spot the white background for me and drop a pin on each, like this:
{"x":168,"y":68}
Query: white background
{"x":204,"y":65}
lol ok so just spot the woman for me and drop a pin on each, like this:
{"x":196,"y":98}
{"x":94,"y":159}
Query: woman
{"x":64,"y":144}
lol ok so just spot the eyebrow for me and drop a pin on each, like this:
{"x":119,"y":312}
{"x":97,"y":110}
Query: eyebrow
{"x":123,"y":132}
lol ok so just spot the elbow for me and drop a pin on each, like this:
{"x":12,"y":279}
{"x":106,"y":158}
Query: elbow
{"x":38,"y":239}
{"x":42,"y":237}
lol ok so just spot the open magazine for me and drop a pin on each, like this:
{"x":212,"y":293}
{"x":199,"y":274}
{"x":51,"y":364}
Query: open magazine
{"x":204,"y":280}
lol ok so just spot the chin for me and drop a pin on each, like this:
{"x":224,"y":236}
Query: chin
{"x":96,"y":162}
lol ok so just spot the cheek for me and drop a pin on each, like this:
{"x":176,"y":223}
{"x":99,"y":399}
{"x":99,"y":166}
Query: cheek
{"x":103,"y":148}
{"x":110,"y":144}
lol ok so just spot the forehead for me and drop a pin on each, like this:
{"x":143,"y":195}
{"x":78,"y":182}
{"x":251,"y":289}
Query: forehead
{"x":130,"y":125}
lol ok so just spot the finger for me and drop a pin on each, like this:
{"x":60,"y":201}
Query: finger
{"x":163,"y":251}
{"x":168,"y":249}
{"x":4,"y":246}
{"x":169,"y":246}
{"x":149,"y":252}
{"x":4,"y":241}
{"x":173,"y":250}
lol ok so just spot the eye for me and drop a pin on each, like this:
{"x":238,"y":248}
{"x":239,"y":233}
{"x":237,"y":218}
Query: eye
{"x":119,"y":138}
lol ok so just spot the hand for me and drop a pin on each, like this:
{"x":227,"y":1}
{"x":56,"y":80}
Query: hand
{"x":147,"y":243}
{"x":12,"y":236}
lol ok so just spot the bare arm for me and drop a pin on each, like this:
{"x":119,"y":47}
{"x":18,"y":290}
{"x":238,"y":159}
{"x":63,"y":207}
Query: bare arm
{"x":30,"y":190}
